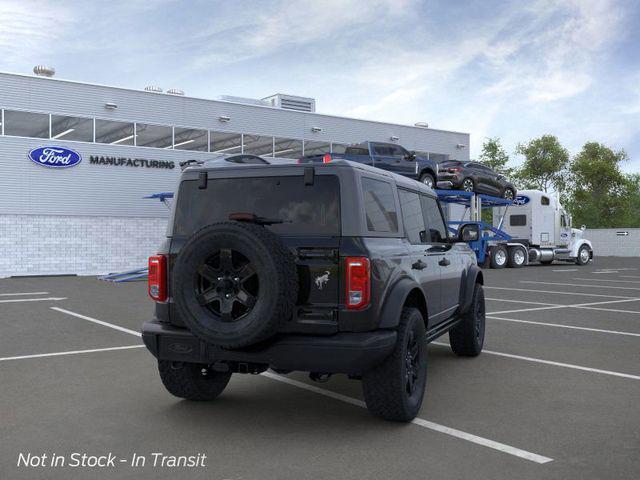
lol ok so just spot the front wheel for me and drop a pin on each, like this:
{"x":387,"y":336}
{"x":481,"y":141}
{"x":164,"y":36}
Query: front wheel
{"x":468,"y":185}
{"x":584,"y":255}
{"x":192,"y":381}
{"x":428,"y":180}
{"x":508,"y":194}
{"x":467,"y":338}
{"x":394,"y":389}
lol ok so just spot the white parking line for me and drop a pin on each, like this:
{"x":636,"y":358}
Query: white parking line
{"x":566,"y":270}
{"x":588,"y":306}
{"x":606,"y":280}
{"x":581,"y":285}
{"x":556,"y":364}
{"x":559,"y":325}
{"x":71,"y":352}
{"x":629,"y":276}
{"x":519,"y":301}
{"x":48,"y":299}
{"x":27,"y":293}
{"x":485,"y":442}
{"x":99,"y":322}
{"x":557,"y":292}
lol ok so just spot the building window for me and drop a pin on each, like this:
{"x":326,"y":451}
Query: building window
{"x":438,"y":157}
{"x":257,"y":145}
{"x":71,"y":128}
{"x":316,"y":148}
{"x":226,"y":142}
{"x":287,"y":148}
{"x":380,"y":206}
{"x":339,"y":148}
{"x":26,"y":124}
{"x":115,"y":133}
{"x":190,"y":139}
{"x":157,"y":136}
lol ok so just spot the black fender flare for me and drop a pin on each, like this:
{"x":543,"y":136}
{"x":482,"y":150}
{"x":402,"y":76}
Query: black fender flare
{"x":429,"y":170}
{"x":395,"y":300}
{"x":472,"y":276}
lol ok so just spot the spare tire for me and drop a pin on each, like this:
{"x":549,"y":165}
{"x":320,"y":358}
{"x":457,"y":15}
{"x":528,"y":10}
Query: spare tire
{"x":233,"y":284}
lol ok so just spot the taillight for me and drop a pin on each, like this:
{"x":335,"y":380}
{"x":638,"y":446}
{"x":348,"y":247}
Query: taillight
{"x":454,"y":170}
{"x":326,"y":158}
{"x":357,"y":282}
{"x":157,"y":284}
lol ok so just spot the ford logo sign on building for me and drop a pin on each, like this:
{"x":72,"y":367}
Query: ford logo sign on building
{"x":55,"y":157}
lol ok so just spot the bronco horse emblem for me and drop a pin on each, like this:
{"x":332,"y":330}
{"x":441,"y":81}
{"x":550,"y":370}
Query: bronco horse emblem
{"x":322,"y":280}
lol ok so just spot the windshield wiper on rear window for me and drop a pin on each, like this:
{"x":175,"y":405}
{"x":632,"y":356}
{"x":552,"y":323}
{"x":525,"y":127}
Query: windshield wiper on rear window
{"x":253,"y":218}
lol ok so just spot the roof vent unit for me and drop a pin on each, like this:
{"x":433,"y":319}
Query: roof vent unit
{"x":153,"y":88}
{"x":291,"y":102}
{"x":244,"y":100}
{"x":43,"y":71}
{"x":175,"y":91}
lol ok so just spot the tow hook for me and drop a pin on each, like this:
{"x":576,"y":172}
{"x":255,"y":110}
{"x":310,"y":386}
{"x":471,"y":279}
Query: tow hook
{"x":320,"y":377}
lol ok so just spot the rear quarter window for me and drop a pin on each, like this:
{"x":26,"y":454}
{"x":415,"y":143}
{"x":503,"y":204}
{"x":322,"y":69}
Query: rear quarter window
{"x":304,"y":209}
{"x":380,"y":206}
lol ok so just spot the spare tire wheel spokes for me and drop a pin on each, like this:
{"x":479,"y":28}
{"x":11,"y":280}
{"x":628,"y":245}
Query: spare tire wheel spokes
{"x":226,"y":309}
{"x":210,"y":273}
{"x":208,"y":297}
{"x":245,"y":273}
{"x":246,"y":299}
{"x":226,"y":261}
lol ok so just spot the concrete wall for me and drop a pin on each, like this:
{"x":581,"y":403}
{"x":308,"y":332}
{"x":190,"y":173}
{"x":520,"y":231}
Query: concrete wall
{"x":611,"y":242}
{"x":55,"y":244}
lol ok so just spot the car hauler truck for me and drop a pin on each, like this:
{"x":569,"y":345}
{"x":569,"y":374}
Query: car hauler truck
{"x":534,"y":228}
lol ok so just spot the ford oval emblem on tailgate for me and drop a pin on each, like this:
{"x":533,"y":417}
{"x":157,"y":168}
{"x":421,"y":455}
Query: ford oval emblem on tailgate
{"x":181,"y":348}
{"x":55,"y":157}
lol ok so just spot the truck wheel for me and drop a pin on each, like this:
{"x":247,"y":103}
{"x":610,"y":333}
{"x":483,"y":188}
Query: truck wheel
{"x":192,"y":381}
{"x":517,"y":257}
{"x":428,"y":180}
{"x":499,"y":256}
{"x":233,"y":284}
{"x":584,"y":255}
{"x":467,"y":338}
{"x":394,"y":389}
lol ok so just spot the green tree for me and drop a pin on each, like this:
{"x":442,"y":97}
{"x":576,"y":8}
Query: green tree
{"x":545,"y":164}
{"x":494,"y":156}
{"x":600,"y":194}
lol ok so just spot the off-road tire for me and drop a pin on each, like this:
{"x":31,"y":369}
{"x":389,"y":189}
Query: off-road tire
{"x":385,"y":386}
{"x":467,"y":338}
{"x":495,"y":256}
{"x":426,"y":176}
{"x":512,"y":261}
{"x":277,"y":276}
{"x":579,"y":260}
{"x":187,"y":380}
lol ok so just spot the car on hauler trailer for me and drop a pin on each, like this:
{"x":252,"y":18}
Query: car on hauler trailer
{"x":327,"y":268}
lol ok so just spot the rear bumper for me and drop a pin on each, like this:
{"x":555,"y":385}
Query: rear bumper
{"x":351,"y":353}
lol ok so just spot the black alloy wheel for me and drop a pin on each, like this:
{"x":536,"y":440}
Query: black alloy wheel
{"x":412,"y":363}
{"x":227,"y":285}
{"x":467,"y":185}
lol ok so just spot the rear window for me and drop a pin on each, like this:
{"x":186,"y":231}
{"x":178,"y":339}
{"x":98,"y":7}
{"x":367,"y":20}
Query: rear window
{"x":305,"y":209}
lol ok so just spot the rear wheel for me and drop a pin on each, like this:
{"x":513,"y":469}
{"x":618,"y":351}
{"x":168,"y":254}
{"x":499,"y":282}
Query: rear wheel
{"x":517,"y":257}
{"x":394,"y":389}
{"x":499,"y":256}
{"x":468,"y":185}
{"x":192,"y":381}
{"x":428,"y":180}
{"x":467,"y":338}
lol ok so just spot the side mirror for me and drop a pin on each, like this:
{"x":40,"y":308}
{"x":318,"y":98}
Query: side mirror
{"x":469,"y":232}
{"x":411,"y":156}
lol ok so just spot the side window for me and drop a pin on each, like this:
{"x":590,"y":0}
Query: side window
{"x":412,"y":216}
{"x":397,"y":151}
{"x":517,"y":220}
{"x":544,"y":201}
{"x":381,"y":150}
{"x":379,"y":205}
{"x":433,"y":220}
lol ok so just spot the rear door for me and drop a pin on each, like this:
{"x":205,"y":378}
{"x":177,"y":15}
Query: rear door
{"x":424,"y":267}
{"x":441,"y":250}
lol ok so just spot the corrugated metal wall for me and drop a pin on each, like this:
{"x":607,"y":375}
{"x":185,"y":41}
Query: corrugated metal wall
{"x":614,"y":242}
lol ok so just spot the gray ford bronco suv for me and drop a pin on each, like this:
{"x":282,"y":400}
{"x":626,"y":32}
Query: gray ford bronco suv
{"x":327,"y":268}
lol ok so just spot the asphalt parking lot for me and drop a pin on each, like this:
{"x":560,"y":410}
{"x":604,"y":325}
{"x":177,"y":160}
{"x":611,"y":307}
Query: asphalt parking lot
{"x":556,"y":394}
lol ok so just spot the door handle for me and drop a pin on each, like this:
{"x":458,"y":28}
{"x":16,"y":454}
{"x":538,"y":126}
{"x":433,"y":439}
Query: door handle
{"x":419,"y":265}
{"x":444,"y":262}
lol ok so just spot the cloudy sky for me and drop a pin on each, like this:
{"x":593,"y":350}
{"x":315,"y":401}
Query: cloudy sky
{"x":511,"y":69}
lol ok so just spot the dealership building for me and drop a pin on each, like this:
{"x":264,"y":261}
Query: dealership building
{"x":120,"y":145}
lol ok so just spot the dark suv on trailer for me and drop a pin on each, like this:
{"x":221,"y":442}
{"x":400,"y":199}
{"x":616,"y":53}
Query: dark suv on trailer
{"x":329,"y":268}
{"x":475,"y":177}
